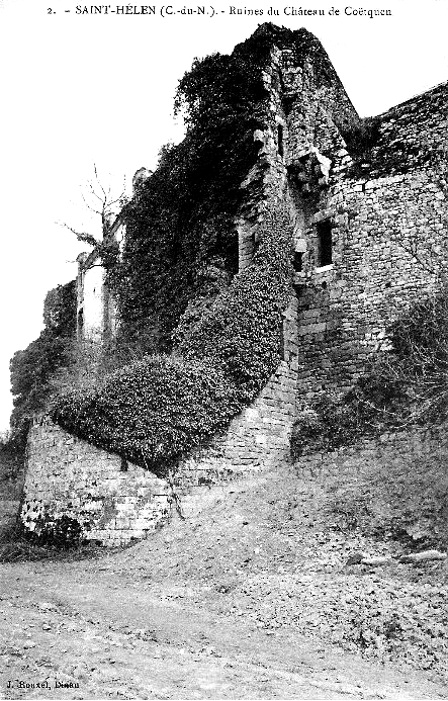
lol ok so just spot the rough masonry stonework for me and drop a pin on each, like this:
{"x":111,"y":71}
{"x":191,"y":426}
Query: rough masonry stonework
{"x":112,"y":500}
{"x":368,"y":203}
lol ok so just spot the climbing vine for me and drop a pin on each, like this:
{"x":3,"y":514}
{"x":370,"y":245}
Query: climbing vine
{"x":183,"y":216}
{"x":209,"y":337}
{"x":156,"y":410}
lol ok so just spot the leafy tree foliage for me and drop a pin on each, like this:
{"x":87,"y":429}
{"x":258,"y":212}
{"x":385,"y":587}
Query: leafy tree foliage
{"x":33,"y":369}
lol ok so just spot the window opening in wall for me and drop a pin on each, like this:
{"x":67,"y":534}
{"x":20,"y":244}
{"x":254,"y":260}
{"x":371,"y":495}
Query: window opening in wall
{"x":298,"y":261}
{"x":280,"y":140}
{"x":325,"y":243}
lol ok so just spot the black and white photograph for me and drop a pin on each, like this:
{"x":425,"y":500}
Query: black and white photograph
{"x":224,"y":350}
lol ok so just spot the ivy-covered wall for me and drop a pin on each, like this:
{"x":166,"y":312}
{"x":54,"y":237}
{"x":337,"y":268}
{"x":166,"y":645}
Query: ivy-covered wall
{"x":156,"y":410}
{"x":263,"y":260}
{"x":181,"y":242}
{"x":212,"y":335}
{"x":211,"y":330}
{"x":275,"y":162}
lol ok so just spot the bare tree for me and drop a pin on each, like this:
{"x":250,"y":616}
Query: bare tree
{"x":100,"y":201}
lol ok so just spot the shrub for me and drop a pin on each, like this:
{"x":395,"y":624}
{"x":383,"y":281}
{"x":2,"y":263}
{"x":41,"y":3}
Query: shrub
{"x":362,"y":136}
{"x":404,"y":385}
{"x":63,"y":532}
{"x":154,"y":411}
{"x":399,"y":492}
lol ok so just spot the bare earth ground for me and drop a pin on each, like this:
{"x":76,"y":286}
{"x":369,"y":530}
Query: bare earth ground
{"x":249,"y":597}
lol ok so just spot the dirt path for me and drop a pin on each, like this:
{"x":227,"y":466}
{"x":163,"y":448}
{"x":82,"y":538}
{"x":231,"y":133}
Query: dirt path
{"x":183,"y":615}
{"x":59,"y":626}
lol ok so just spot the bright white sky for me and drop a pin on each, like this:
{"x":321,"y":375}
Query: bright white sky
{"x":83,"y":89}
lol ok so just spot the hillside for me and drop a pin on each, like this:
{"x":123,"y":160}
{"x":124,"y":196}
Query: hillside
{"x":250,"y":596}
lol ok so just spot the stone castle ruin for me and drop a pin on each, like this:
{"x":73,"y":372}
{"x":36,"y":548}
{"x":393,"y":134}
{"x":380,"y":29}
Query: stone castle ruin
{"x":367,"y":205}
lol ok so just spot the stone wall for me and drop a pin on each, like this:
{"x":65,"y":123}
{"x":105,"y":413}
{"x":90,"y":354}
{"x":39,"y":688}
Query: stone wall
{"x":389,"y":249}
{"x":410,"y":445}
{"x":260,"y":435}
{"x":308,"y":107}
{"x":384,"y":210}
{"x":383,"y":207}
{"x":306,"y":100}
{"x":115,"y":501}
{"x":112,"y":500}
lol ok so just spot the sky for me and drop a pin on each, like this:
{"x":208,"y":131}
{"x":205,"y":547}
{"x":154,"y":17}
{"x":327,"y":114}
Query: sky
{"x":85,"y":89}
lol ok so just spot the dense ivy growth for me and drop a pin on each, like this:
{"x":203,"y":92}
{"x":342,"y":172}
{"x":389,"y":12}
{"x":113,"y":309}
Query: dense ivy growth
{"x":156,"y":410}
{"x":33,"y":369}
{"x":209,"y":337}
{"x":182,"y":218}
{"x":241,"y":329}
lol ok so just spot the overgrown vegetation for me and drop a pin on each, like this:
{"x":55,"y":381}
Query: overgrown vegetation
{"x":395,"y":495}
{"x":62,"y":533}
{"x":181,"y":221}
{"x":62,"y":542}
{"x":11,"y":463}
{"x":156,"y":410}
{"x":404,"y":385}
{"x":33,"y":369}
{"x":361,"y":137}
{"x":176,"y":283}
